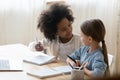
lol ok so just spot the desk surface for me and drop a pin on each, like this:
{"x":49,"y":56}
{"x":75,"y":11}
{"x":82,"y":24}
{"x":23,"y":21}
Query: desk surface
{"x":19,"y":51}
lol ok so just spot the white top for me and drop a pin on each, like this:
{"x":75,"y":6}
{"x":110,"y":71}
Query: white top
{"x":61,"y":50}
{"x":66,"y":48}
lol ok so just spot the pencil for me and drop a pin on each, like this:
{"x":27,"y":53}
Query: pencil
{"x":71,"y":58}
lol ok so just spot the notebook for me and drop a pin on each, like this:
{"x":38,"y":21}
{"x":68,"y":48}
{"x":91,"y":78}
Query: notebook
{"x":40,"y":59}
{"x":49,"y":72}
{"x":10,"y":65}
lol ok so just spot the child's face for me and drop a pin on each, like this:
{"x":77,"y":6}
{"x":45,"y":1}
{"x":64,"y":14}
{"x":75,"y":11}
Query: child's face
{"x":85,"y":39}
{"x":64,"y":29}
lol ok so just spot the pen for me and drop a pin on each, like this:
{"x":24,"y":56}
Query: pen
{"x":36,"y":40}
{"x":71,"y":66}
{"x":71,"y":58}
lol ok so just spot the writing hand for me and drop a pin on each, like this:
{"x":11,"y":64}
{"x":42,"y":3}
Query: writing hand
{"x":78,"y":63}
{"x":71,"y":62}
{"x":39,"y":47}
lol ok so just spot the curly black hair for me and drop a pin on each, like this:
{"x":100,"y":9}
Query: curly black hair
{"x":49,"y":19}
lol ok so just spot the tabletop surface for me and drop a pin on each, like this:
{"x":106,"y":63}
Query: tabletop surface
{"x":20,"y":51}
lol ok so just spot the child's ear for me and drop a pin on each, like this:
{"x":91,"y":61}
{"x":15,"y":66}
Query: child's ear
{"x":90,"y":39}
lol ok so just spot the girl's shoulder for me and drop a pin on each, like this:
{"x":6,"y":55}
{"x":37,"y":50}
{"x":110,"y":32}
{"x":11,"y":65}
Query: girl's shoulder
{"x":98,"y":53}
{"x":83,"y":48}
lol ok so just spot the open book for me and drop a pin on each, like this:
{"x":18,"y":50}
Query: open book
{"x":40,"y":59}
{"x":48,"y":72}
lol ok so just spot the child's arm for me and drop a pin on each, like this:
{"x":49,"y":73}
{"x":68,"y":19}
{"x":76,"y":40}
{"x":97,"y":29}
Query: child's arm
{"x":87,"y":72}
{"x":98,"y":67}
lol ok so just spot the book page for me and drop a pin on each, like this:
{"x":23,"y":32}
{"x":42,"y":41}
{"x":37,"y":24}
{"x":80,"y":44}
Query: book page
{"x":40,"y":59}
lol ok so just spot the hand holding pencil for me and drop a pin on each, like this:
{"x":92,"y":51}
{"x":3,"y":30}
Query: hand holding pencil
{"x":38,"y":45}
{"x":75,"y":63}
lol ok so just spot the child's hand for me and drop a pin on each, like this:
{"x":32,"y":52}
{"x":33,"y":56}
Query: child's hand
{"x":87,"y":71}
{"x":39,"y":47}
{"x":78,"y":63}
{"x":85,"y":64}
{"x":69,"y":61}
